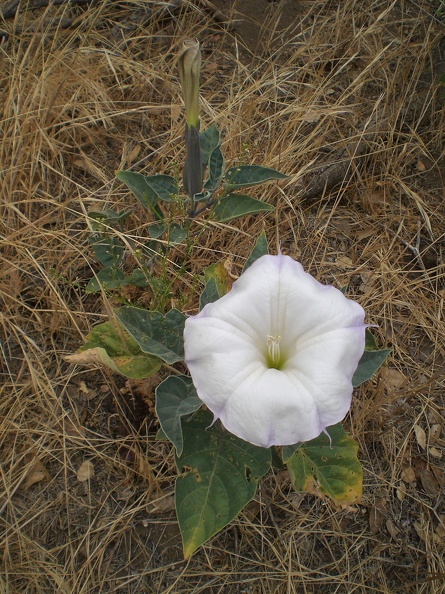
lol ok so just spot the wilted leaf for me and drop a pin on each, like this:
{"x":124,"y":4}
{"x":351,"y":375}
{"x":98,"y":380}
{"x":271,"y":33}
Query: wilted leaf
{"x":110,"y":346}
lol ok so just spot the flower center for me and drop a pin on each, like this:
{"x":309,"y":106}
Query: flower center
{"x":273,"y":351}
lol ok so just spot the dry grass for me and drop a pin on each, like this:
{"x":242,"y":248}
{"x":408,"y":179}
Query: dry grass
{"x":78,"y":104}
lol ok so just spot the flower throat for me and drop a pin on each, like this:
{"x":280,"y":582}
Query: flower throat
{"x":273,"y":357}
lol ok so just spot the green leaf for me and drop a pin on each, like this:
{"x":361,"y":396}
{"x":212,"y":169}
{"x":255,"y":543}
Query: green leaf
{"x":215,"y":169}
{"x":288,"y":451}
{"x":108,"y":250}
{"x":107,"y":279}
{"x":221,"y":478}
{"x":250,"y":175}
{"x":210,"y":293}
{"x":138,"y":278}
{"x":155,"y":230}
{"x":232,"y":206}
{"x":148,"y":189}
{"x":156,"y":334}
{"x":368,"y":365}
{"x":176,"y":397}
{"x":176,"y":233}
{"x":330,"y":469}
{"x":209,"y":140}
{"x":260,"y":249}
{"x":114,"y":348}
{"x":108,"y":217}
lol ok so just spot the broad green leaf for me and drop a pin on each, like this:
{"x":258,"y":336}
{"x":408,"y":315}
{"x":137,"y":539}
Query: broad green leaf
{"x":148,"y":189}
{"x":176,"y":397}
{"x":250,"y":175}
{"x":222,"y":474}
{"x":330,"y":469}
{"x":288,"y":451}
{"x":114,"y":348}
{"x":138,"y":278}
{"x":368,"y":365}
{"x":215,"y":170}
{"x":176,"y":233}
{"x":209,"y":140}
{"x":232,"y":206}
{"x":370,"y":343}
{"x":156,"y":334}
{"x":210,"y":293}
{"x":108,"y":250}
{"x":155,"y":230}
{"x":260,"y":249}
{"x":108,"y":278}
{"x":107,"y":217}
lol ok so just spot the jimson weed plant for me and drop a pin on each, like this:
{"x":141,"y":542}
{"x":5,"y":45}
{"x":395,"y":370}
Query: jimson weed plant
{"x":273,"y":361}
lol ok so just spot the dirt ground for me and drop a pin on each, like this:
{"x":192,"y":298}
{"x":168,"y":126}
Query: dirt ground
{"x":347,"y":97}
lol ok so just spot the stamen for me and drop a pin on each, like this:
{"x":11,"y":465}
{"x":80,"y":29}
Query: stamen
{"x":273,"y":349}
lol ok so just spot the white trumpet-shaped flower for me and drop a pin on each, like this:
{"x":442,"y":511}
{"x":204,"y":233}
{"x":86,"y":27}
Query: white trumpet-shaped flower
{"x":274,"y":358}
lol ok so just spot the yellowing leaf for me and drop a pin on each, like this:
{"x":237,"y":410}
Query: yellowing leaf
{"x":328,"y":466}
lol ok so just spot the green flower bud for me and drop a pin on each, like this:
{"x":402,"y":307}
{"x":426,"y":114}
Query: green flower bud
{"x":189,"y":66}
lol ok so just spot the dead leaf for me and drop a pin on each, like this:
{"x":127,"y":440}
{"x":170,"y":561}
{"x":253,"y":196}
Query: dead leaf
{"x":421,"y":531}
{"x":377,"y":516}
{"x":439,"y":475}
{"x":36,"y":473}
{"x":401,"y":492}
{"x":73,"y":427}
{"x":393,"y":377}
{"x":344,"y":262}
{"x":86,"y":471}
{"x":408,"y":475}
{"x":390,"y":526}
{"x":367,"y":232}
{"x":162,"y":504}
{"x":440,"y":528}
{"x":435,"y":432}
{"x":429,"y":483}
{"x":435,"y":453}
{"x":133,"y":155}
{"x":420,"y":436}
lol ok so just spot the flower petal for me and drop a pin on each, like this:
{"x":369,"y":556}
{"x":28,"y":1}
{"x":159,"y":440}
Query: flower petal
{"x":321,"y":336}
